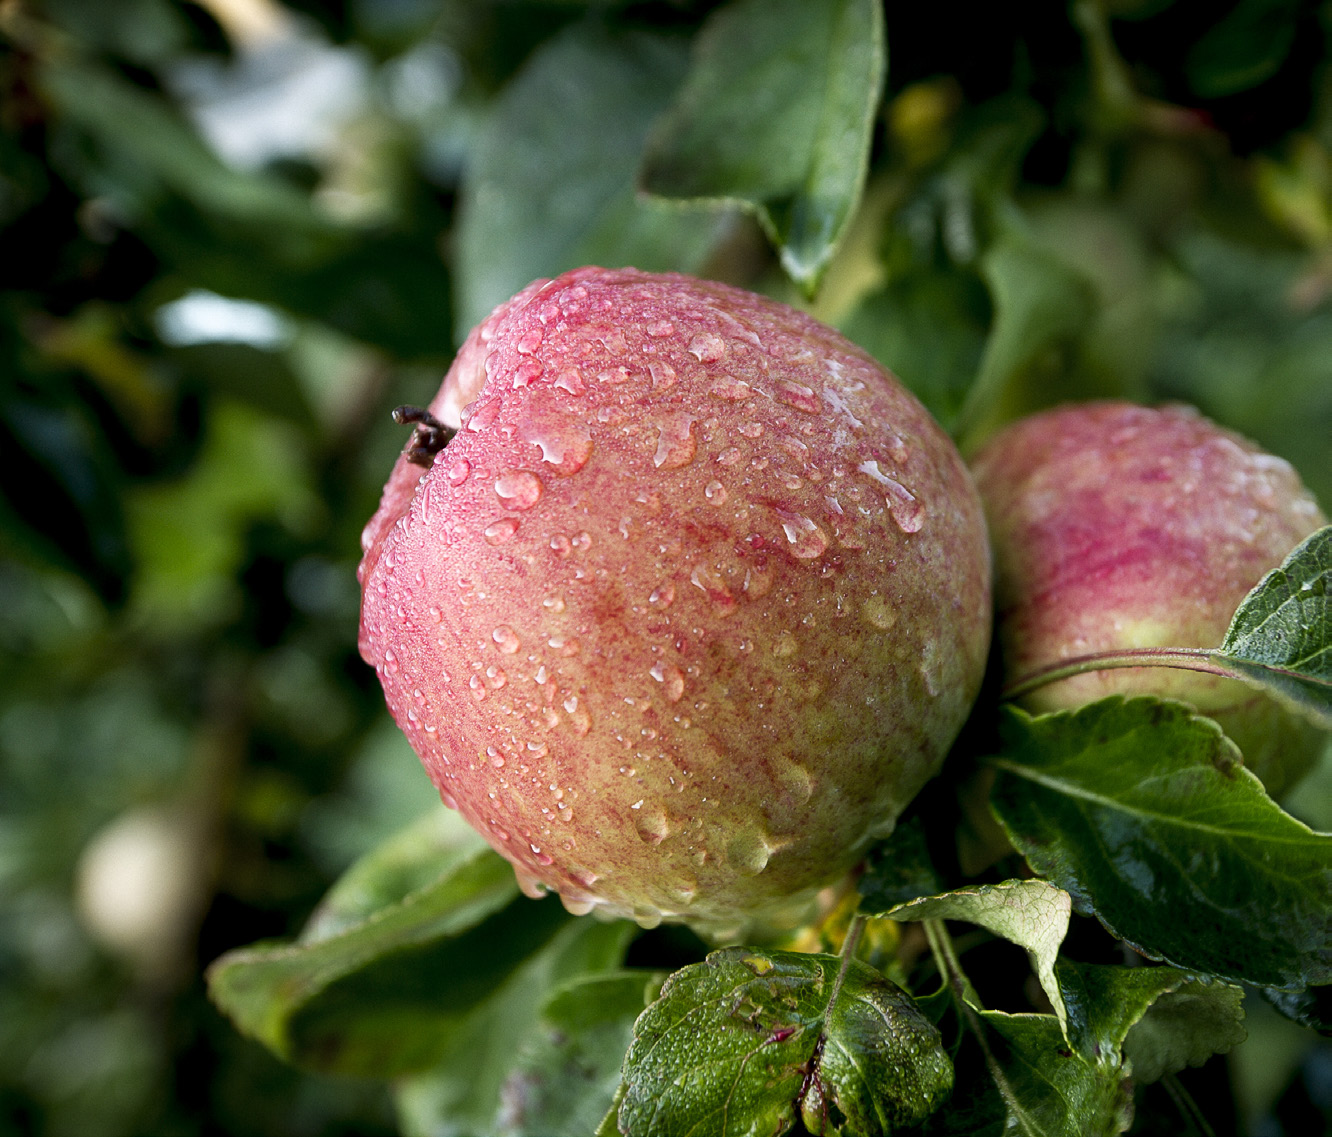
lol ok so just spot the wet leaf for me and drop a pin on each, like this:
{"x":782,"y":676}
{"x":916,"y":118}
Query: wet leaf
{"x":1281,"y":636}
{"x":776,"y":115}
{"x":480,"y":1050}
{"x":1033,"y":914}
{"x":569,"y":1068}
{"x":1037,"y":1085}
{"x":1142,"y":810}
{"x":1162,"y":1018}
{"x":748,"y":1042}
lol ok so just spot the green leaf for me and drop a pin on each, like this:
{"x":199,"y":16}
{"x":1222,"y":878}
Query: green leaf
{"x":463,"y":1094}
{"x":1308,"y":1006}
{"x":1033,"y":914}
{"x":1038,"y":1087}
{"x":1163,"y":1019}
{"x":569,"y":1069}
{"x":1143,"y":811}
{"x":898,"y":869}
{"x":1281,"y":636}
{"x":414,"y":858}
{"x":1244,"y":49}
{"x":749,"y":1042}
{"x":551,"y":181}
{"x":777,"y":115}
{"x":1040,"y":306}
{"x":373,"y":997}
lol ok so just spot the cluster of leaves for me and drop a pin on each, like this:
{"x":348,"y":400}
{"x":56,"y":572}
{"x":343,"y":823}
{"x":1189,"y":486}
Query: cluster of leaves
{"x":1138,"y":812}
{"x":1009,"y":205}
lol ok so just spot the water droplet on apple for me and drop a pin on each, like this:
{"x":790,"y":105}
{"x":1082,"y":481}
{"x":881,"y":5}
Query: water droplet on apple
{"x":676,"y":444}
{"x":458,"y":471}
{"x":663,"y":374}
{"x":784,"y":646}
{"x":530,"y":340}
{"x":671,"y":679}
{"x":662,"y":595}
{"x":569,"y":380}
{"x":506,"y":639}
{"x":879,"y":613}
{"x":803,"y":534}
{"x":478,"y":688}
{"x":650,"y":822}
{"x":660,"y":328}
{"x":518,"y":489}
{"x":565,"y":444}
{"x":715,"y":492}
{"x":751,"y":429}
{"x":747,"y":852}
{"x":707,"y":347}
{"x":797,"y":395}
{"x":497,"y":532}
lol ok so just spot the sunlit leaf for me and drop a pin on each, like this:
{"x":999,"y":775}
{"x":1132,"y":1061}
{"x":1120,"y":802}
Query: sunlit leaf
{"x":776,"y":115}
{"x":1033,"y":914}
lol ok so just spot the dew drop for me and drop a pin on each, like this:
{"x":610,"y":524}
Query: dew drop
{"x":565,"y":445}
{"x":569,"y":380}
{"x":613,"y":376}
{"x":879,"y":613}
{"x":803,"y":534}
{"x":577,"y":905}
{"x":730,"y":456}
{"x":784,"y":646}
{"x":458,"y":471}
{"x":478,"y":688}
{"x":676,"y":444}
{"x":715,"y":492}
{"x":506,"y":639}
{"x":795,"y":779}
{"x":497,"y":532}
{"x":671,"y":679}
{"x":797,"y":395}
{"x":714,"y":585}
{"x":650,"y":822}
{"x":663,"y":374}
{"x":526,"y":373}
{"x":660,"y":328}
{"x":751,"y":429}
{"x":646,"y":916}
{"x":748,"y":853}
{"x":707,"y":347}
{"x":531,"y":887}
{"x":479,"y":418}
{"x":553,"y":603}
{"x":530,"y":340}
{"x":518,"y":489}
{"x":730,"y":390}
{"x":662,"y":595}
{"x":615,"y":342}
{"x":561,"y":545}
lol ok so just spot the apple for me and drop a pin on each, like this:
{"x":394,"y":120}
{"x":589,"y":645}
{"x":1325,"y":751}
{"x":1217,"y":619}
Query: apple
{"x":1118,"y":526}
{"x":691,"y":605}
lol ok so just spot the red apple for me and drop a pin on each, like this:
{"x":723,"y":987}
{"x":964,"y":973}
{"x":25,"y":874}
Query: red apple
{"x":1118,"y":526}
{"x":690,"y":607}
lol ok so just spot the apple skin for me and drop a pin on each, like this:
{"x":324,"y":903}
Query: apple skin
{"x":691,"y":606}
{"x":1119,"y":526}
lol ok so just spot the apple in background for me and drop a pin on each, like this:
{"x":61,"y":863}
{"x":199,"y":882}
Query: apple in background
{"x":1118,"y":526}
{"x":689,"y":608}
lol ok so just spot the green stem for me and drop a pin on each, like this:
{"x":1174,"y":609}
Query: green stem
{"x":964,"y":997}
{"x":1181,"y":658}
{"x":848,"y":953}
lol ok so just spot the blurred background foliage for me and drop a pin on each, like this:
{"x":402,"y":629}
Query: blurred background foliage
{"x":235,"y":233}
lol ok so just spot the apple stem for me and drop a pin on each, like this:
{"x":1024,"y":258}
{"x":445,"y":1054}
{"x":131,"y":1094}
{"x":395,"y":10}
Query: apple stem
{"x":1182,"y":658}
{"x":431,"y":435}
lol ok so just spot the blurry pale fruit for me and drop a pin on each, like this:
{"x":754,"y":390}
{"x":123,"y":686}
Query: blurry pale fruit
{"x":690,"y":607}
{"x":1117,"y":526}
